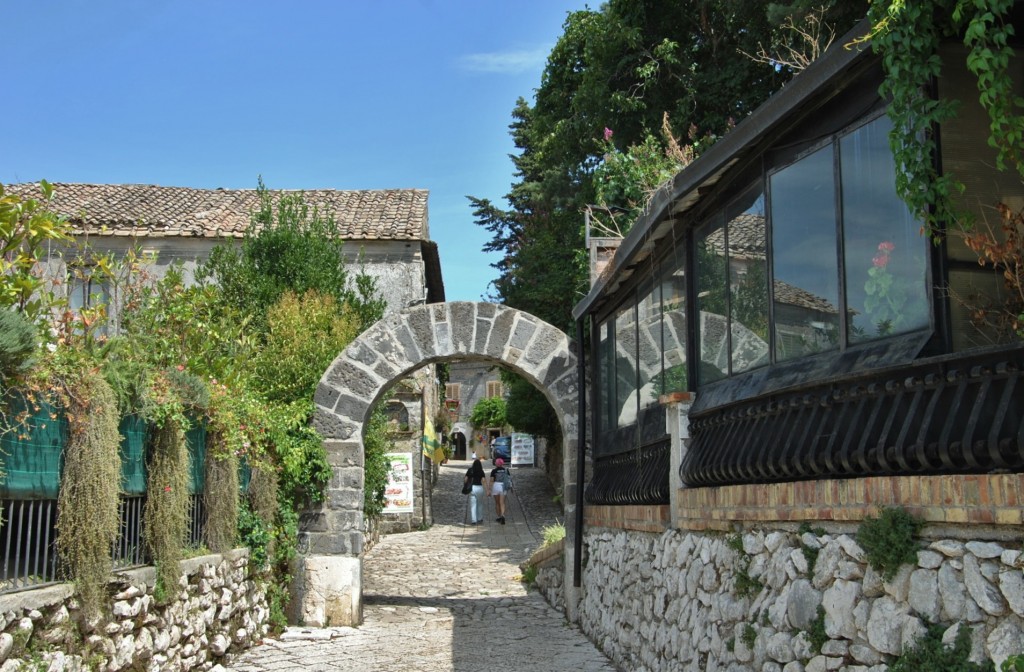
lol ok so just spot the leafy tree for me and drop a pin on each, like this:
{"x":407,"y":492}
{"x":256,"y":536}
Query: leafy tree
{"x":289,"y":246}
{"x":489,"y":412}
{"x":26,"y":228}
{"x":648,"y":71}
{"x":528,"y":410}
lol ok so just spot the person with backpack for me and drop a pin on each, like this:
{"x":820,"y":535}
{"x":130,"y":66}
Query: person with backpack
{"x":501,"y":484}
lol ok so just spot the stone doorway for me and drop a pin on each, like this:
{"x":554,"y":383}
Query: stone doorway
{"x":329,"y":573}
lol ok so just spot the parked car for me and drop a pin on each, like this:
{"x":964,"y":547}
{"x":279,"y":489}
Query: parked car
{"x":501,"y":447}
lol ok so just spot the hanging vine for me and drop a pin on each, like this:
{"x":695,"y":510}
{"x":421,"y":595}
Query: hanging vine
{"x":907,"y":35}
{"x":87,"y":510}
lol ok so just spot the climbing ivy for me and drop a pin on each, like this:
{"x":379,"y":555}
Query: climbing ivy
{"x":907,"y":35}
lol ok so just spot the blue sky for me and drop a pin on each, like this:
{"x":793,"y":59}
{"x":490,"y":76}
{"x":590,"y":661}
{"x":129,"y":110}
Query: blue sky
{"x":343,"y":94}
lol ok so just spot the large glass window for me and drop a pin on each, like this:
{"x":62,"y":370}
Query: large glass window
{"x":625,"y":365}
{"x":805,"y":256}
{"x":748,"y":281}
{"x":649,"y":346}
{"x":606,"y":416}
{"x":712,"y":302}
{"x":673,"y":314}
{"x":886,"y":290}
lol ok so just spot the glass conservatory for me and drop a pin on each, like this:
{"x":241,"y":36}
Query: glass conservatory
{"x":782,"y":280}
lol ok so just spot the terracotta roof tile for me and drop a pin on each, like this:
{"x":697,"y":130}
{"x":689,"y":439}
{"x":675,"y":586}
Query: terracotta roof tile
{"x":150,"y":210}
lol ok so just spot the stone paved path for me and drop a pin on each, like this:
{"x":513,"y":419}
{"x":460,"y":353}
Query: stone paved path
{"x":447,"y":599}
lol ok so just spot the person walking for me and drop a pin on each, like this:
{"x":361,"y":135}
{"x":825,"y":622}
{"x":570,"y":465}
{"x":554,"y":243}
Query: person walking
{"x":499,"y":477}
{"x":475,"y":477}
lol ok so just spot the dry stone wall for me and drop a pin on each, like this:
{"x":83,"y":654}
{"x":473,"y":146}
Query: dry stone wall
{"x":218,"y":610}
{"x":699,"y":601}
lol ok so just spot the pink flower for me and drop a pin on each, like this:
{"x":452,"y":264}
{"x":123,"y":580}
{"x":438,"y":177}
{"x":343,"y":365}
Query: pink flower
{"x":181,"y":367}
{"x":880,"y":260}
{"x":167,"y":488}
{"x":886,"y":246}
{"x":608,"y":134}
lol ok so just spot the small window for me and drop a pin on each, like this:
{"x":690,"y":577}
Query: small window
{"x":494,"y":388}
{"x":453,"y":391}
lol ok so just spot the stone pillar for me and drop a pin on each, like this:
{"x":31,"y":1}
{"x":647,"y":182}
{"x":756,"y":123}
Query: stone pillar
{"x":677,"y":420}
{"x":328,"y":584}
{"x":569,"y":493}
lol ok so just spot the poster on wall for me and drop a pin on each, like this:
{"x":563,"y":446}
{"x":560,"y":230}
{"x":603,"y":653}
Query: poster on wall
{"x":398,"y":496}
{"x":522,"y":450}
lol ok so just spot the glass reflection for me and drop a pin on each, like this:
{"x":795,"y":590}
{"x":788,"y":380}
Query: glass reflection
{"x":804,"y":264}
{"x":886,"y":281}
{"x":748,"y":281}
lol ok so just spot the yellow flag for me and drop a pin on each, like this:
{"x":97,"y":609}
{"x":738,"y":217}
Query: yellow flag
{"x":431,"y":446}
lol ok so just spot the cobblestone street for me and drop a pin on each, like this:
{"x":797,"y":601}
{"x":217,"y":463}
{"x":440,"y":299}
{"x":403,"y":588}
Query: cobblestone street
{"x":448,"y":599}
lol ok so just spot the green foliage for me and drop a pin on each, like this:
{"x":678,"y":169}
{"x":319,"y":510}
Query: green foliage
{"x":528,"y":410}
{"x":929,"y":654}
{"x":376,"y":445}
{"x":529,"y":575}
{"x":18,"y":342}
{"x":1013,"y":664}
{"x":165,"y":516}
{"x":744,"y":585}
{"x":299,"y":451}
{"x":748,"y":635}
{"x":26,"y":229}
{"x":289,"y":246}
{"x":489,"y":412}
{"x":220,"y":495}
{"x":304,"y":335}
{"x":87,"y":510}
{"x":889,"y":540}
{"x":253,"y":532}
{"x":907,"y":35}
{"x":816,"y":633}
{"x":553,"y":534}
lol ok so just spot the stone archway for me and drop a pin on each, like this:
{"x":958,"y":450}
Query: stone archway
{"x":328,"y":579}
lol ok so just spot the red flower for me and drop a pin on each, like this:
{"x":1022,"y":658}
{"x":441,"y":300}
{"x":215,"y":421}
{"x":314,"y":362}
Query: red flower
{"x":886,"y":246}
{"x":167,"y":488}
{"x":880,"y":260}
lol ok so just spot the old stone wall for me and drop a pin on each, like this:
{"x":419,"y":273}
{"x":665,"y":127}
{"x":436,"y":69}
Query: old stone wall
{"x":680,"y":600}
{"x":219,"y":609}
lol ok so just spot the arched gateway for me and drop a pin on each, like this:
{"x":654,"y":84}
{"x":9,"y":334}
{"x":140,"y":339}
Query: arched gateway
{"x":329,"y":576}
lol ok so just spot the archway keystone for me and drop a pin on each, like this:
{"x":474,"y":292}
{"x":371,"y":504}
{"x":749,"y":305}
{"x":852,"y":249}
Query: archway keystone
{"x":329,"y":576}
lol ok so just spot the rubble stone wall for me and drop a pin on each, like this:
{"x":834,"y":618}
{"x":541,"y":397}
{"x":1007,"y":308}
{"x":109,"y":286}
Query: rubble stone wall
{"x":219,"y":609}
{"x":682,"y":600}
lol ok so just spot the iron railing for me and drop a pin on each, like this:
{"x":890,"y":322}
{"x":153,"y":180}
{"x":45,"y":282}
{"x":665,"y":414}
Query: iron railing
{"x":639,"y":476}
{"x":950,"y":414}
{"x":27,"y":540}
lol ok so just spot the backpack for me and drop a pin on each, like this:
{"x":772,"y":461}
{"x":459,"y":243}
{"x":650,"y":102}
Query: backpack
{"x":505,"y":478}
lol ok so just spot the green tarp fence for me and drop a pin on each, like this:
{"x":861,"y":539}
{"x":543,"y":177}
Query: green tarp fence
{"x":32,"y":453}
{"x":133,"y":455}
{"x":244,"y":474}
{"x":33,"y":449}
{"x":195,"y":439}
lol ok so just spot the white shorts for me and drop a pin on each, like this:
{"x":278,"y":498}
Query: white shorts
{"x":498,"y":488}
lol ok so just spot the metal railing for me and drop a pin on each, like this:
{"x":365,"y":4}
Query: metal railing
{"x":639,"y":476}
{"x":27,"y":537}
{"x":951,"y":414}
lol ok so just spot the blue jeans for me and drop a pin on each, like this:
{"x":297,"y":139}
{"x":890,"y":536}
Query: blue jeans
{"x":476,"y":504}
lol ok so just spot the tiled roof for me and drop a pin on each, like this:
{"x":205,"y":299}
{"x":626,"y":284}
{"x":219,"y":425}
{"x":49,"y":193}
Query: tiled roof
{"x":150,"y":210}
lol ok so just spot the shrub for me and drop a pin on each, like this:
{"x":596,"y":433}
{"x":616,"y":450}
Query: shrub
{"x":489,"y":412}
{"x":929,"y":654}
{"x":553,"y":533}
{"x":18,"y":342}
{"x":889,"y":541}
